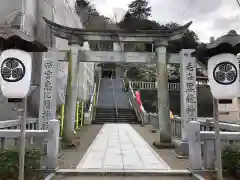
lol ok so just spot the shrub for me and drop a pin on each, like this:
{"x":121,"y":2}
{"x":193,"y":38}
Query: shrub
{"x":231,"y":159}
{"x":127,"y":86}
{"x":9,"y":163}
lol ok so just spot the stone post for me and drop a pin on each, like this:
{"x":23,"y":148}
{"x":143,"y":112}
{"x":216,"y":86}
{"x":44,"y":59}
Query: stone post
{"x":188,"y":92}
{"x":195,"y":154}
{"x":117,"y":46}
{"x":162,"y":92}
{"x":53,"y":144}
{"x":71,"y":96}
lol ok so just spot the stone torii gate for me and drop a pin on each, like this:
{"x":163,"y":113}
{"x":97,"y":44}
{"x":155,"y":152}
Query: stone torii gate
{"x":160,"y":38}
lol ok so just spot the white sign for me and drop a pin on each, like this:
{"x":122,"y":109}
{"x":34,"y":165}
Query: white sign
{"x":223,"y":75}
{"x":62,"y":75}
{"x":188,"y":90}
{"x":47,"y":110}
{"x":16,"y":70}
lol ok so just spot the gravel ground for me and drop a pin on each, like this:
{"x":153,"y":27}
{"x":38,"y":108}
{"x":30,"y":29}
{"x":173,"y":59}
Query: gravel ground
{"x":70,"y":158}
{"x":165,"y":154}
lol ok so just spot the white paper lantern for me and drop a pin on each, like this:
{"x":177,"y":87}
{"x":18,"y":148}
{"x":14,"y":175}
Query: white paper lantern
{"x":223,"y":74}
{"x":16,"y":70}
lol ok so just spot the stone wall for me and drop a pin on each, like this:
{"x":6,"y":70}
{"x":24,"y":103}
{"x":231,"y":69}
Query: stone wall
{"x":204,"y":97}
{"x":60,"y":12}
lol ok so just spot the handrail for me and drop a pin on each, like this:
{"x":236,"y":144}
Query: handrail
{"x":99,"y":82}
{"x":116,"y":109}
{"x":92,"y":99}
{"x":136,"y":107}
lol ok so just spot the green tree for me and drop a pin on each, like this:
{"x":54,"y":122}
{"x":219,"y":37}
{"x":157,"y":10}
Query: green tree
{"x":86,"y":5}
{"x":139,"y":9}
{"x":92,"y":19}
{"x":189,"y":40}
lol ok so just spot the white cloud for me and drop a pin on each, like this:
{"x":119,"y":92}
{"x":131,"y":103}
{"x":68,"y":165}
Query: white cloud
{"x":210,"y":17}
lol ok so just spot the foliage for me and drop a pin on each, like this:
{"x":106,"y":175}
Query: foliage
{"x":188,"y":41}
{"x":231,"y":159}
{"x":126,"y":85}
{"x":9,"y":161}
{"x":92,"y":19}
{"x":136,"y":18}
{"x":139,"y":9}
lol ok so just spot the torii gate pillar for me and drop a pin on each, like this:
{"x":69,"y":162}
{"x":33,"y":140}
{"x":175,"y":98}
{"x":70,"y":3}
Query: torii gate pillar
{"x":75,"y":44}
{"x":162,"y":92}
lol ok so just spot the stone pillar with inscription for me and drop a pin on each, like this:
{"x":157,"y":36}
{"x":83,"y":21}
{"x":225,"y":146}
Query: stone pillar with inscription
{"x":118,"y":46}
{"x":75,"y":44}
{"x":188,"y":90}
{"x":162,"y":94}
{"x":48,"y":90}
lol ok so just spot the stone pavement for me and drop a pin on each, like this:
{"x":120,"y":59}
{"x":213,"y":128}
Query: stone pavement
{"x":119,"y":146}
{"x":70,"y":158}
{"x":130,"y":140}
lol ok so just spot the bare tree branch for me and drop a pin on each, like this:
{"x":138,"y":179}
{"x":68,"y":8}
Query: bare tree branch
{"x":238,"y":2}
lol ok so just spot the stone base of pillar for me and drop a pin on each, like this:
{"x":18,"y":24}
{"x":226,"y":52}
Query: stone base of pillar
{"x":181,"y":150}
{"x":153,"y":130}
{"x":160,"y":145}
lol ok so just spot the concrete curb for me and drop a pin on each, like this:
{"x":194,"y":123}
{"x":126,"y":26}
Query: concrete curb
{"x":179,"y":156}
{"x":105,"y":172}
{"x":97,"y":172}
{"x":199,"y":177}
{"x":50,"y":176}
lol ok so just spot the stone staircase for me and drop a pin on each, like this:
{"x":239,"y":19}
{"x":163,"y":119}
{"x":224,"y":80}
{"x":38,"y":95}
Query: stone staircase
{"x":108,"y":115}
{"x":113,"y":105}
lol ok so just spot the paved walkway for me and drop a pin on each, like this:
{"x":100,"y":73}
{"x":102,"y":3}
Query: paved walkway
{"x":120,"y":147}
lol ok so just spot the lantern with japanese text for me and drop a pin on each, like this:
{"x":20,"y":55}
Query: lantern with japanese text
{"x":223,"y":74}
{"x":16,"y":69}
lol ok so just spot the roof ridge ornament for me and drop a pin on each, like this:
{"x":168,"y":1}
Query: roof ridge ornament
{"x":229,"y":43}
{"x":232,"y":33}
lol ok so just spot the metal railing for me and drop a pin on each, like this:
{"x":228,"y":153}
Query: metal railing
{"x":204,"y":145}
{"x":142,"y":115}
{"x":116,"y":108}
{"x":99,"y":82}
{"x":88,"y":116}
{"x":152,"y":85}
{"x":9,"y":137}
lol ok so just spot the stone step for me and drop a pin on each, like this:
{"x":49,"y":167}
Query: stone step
{"x":118,"y":177}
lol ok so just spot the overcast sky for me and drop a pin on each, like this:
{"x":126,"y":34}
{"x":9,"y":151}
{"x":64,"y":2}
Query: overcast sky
{"x":210,"y":17}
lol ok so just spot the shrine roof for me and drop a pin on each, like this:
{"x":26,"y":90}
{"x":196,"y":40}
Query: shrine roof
{"x":229,"y":43}
{"x":15,"y":38}
{"x":116,"y":35}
